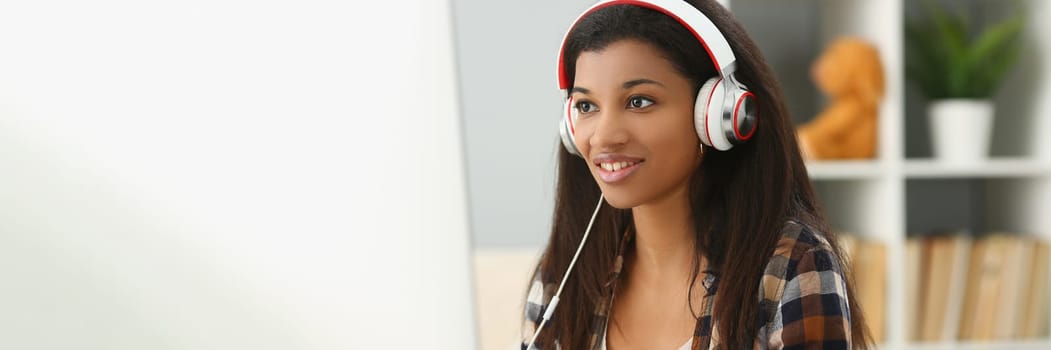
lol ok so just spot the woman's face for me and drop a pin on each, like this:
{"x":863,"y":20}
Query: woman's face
{"x":635,"y":125}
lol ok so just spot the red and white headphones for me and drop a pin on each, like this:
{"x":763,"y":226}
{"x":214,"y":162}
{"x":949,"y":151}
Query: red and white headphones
{"x":725,"y":111}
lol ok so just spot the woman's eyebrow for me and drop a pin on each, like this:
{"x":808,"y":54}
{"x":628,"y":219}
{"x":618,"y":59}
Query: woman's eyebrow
{"x":632,"y":83}
{"x":627,"y":85}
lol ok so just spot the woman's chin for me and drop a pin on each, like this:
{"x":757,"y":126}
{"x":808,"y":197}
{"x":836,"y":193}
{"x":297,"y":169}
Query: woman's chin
{"x":620,"y":200}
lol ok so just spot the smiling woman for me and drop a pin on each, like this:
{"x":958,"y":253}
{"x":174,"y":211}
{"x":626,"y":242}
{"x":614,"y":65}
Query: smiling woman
{"x":675,"y":122}
{"x":622,"y":96}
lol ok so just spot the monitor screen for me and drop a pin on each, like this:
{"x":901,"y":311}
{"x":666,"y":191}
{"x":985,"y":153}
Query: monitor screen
{"x":229,"y":174}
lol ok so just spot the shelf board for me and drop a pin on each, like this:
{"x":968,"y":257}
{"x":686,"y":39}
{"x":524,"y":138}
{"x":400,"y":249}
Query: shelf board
{"x":1034,"y":344}
{"x":845,"y":169}
{"x":992,"y":168}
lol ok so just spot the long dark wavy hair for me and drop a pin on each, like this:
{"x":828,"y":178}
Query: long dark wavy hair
{"x":739,"y":198}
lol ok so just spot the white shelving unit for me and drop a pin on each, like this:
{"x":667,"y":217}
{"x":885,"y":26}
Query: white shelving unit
{"x":846,"y":170}
{"x":1013,"y":345}
{"x":869,"y":197}
{"x":994,"y":168}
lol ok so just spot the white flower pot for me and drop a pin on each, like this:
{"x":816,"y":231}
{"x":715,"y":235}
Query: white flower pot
{"x":961,"y":130}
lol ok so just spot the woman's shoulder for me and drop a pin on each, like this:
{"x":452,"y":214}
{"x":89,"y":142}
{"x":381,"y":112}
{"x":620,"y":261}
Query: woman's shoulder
{"x":798,"y":238}
{"x":802,"y":255}
{"x":538,"y":296}
{"x":537,"y":300}
{"x":804,"y":283}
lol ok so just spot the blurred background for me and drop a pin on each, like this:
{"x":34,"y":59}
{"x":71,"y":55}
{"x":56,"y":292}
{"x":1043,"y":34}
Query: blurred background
{"x":931,"y":210}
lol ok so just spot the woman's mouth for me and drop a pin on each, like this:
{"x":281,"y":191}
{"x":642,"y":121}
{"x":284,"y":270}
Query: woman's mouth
{"x":612,"y":172}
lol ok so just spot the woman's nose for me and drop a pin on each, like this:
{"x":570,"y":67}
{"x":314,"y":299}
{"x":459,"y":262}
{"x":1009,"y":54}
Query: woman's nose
{"x":609,"y":132}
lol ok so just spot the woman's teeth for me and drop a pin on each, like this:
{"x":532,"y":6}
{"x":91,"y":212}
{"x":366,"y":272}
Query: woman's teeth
{"x":616,"y":166}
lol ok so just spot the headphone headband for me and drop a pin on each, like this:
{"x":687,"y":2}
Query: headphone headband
{"x":725,"y":112}
{"x":702,"y":28}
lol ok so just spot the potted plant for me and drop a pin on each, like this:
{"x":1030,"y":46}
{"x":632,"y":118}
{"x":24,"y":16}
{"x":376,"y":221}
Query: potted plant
{"x":959,"y":66}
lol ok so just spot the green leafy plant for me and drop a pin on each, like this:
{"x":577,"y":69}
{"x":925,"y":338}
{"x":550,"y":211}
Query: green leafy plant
{"x":947,"y":58}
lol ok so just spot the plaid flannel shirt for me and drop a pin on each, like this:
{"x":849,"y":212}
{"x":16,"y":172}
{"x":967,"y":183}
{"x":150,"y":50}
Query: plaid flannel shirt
{"x":802,"y":298}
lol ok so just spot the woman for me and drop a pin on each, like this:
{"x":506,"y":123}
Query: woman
{"x":708,"y":234}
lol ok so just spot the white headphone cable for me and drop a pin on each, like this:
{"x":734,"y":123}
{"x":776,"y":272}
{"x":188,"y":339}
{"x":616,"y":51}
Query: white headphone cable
{"x":554,"y":300}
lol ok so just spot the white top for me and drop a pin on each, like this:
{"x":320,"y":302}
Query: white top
{"x":602,"y":343}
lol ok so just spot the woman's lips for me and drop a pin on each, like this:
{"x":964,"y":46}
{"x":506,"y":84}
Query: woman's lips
{"x":613,"y":172}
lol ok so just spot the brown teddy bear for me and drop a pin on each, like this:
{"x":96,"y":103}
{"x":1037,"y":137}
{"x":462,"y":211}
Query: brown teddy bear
{"x":850,"y":73}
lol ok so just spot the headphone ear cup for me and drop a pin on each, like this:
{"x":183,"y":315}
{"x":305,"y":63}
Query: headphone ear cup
{"x":745,"y":115}
{"x":707,"y":114}
{"x":566,"y":128}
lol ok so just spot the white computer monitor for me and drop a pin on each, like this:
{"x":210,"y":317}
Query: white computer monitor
{"x":223,"y":174}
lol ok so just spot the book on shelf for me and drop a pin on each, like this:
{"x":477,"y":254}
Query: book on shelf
{"x":914,"y":283}
{"x":1035,"y":315}
{"x":976,"y":289}
{"x":945,"y":270}
{"x":985,"y":297}
{"x":1016,"y":270}
{"x":868,"y":261}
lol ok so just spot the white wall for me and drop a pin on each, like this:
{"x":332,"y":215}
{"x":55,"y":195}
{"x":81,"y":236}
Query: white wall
{"x":229,"y":174}
{"x":507,"y":52}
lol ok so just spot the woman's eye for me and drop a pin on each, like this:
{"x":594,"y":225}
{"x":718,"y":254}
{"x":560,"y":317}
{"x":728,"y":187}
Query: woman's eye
{"x":585,"y":107}
{"x":639,"y":102}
